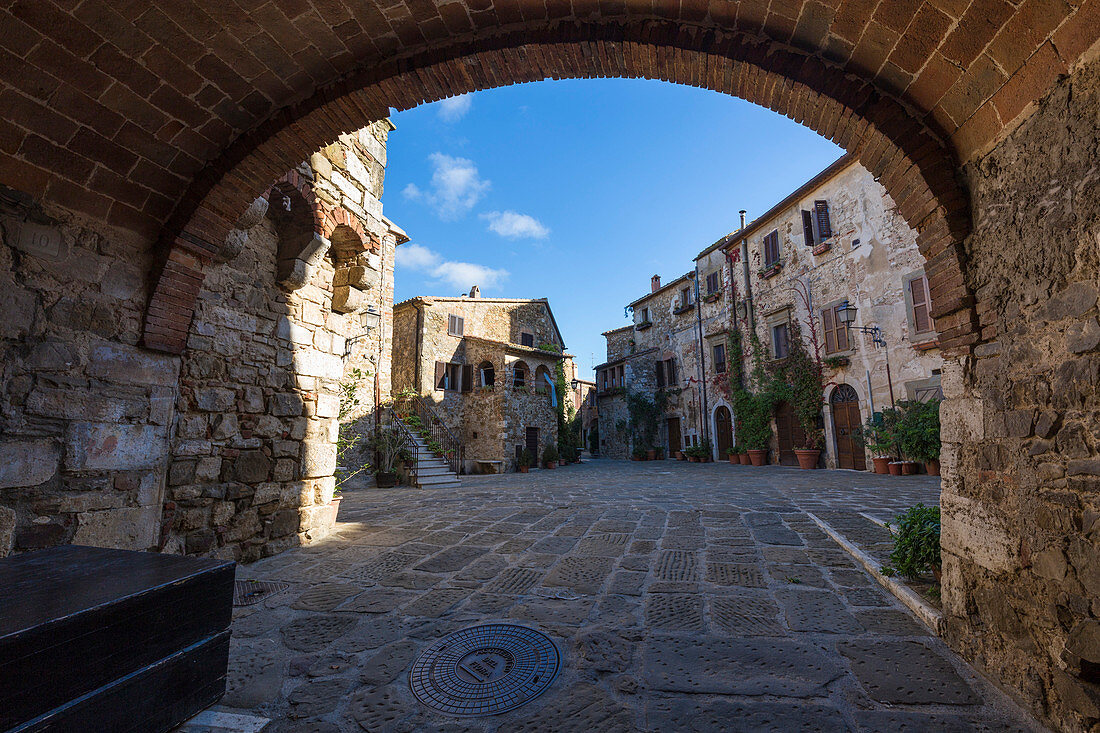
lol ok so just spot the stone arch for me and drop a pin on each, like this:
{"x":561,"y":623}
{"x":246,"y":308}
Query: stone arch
{"x":904,"y":149}
{"x":520,"y":368}
{"x":486,"y":374}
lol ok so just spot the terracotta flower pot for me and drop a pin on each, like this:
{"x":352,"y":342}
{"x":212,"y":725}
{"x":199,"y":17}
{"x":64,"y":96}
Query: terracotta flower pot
{"x":651,"y":454}
{"x":807,"y":458}
{"x":733,"y":459}
{"x":386,"y":479}
{"x":678,"y":455}
{"x":693,"y":459}
{"x":758,"y":457}
{"x":933,"y":467}
{"x":908,"y":468}
{"x":745,"y":460}
{"x":895,"y":468}
{"x":882,"y":464}
{"x":524,"y":469}
{"x":551,"y":464}
{"x":335,"y":504}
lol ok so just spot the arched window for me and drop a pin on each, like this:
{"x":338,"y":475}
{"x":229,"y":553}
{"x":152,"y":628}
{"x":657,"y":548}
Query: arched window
{"x":541,"y":375}
{"x":487,"y":375}
{"x":519,"y":374}
{"x":844,"y":393}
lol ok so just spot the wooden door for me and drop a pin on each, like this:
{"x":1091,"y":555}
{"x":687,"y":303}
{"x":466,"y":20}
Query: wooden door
{"x":532,"y":443}
{"x":674,"y":435}
{"x":846,"y":422}
{"x":789,"y":433}
{"x":723,"y":428}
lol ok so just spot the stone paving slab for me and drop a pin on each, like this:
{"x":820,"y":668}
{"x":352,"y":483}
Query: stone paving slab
{"x":682,"y":597}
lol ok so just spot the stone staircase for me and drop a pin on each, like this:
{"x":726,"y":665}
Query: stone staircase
{"x":431,"y":469}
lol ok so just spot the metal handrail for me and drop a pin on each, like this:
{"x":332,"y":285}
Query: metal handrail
{"x":392,"y":419}
{"x":454,"y":452}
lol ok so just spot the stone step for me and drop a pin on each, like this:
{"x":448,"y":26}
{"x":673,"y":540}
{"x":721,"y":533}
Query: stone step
{"x":423,"y":470}
{"x":447,"y":480}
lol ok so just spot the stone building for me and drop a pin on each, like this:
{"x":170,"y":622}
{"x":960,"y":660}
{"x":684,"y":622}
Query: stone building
{"x":227,"y":449}
{"x":840,"y":239}
{"x":486,"y":365}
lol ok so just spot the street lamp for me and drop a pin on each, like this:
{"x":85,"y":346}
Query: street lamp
{"x":847,"y":315}
{"x":368,"y":319}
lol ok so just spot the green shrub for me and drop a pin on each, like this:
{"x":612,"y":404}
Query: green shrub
{"x":917,"y":544}
{"x":525,"y":458}
{"x":918,"y":430}
{"x":550,"y":453}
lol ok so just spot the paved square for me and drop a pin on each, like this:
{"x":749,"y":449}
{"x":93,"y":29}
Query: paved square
{"x":682,"y":597}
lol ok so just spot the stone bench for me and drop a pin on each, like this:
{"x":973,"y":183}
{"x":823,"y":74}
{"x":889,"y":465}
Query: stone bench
{"x":97,"y":639}
{"x":489,"y":467}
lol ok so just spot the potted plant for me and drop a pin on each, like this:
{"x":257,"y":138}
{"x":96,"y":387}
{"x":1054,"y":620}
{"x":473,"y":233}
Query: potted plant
{"x":651,"y":454}
{"x":743,"y":457}
{"x":389,"y":444}
{"x":679,"y":455}
{"x":878,"y":435}
{"x":692,"y":453}
{"x":525,"y":461}
{"x":919,"y":435}
{"x":732,"y":454}
{"x":550,"y":456}
{"x":638,"y":454}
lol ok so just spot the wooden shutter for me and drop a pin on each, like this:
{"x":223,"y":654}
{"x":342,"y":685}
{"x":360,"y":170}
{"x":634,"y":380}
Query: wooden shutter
{"x":712,"y":282}
{"x":771,"y":248}
{"x":841,"y":330}
{"x":527,"y":339}
{"x":808,"y":228}
{"x":440,"y":375}
{"x":660,"y":374}
{"x":828,"y":318}
{"x":821,"y":211}
{"x":671,"y":372}
{"x":720,"y":358}
{"x":922,"y":320}
{"x":467,"y":377}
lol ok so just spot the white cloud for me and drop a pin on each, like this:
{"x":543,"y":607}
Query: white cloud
{"x":455,"y":108}
{"x":457,"y":275}
{"x":416,"y":257}
{"x":456,"y":187}
{"x":514,"y":225}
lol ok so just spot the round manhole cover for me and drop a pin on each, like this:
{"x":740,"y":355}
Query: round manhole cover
{"x":485,"y":670}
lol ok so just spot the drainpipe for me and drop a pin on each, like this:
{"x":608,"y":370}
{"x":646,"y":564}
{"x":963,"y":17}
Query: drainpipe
{"x":748,"y":282}
{"x":701,"y":354}
{"x":419,"y":328}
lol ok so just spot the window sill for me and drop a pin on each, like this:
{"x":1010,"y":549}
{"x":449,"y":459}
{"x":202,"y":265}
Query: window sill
{"x":712,"y":297}
{"x":932,"y":343}
{"x":771,"y":270}
{"x":822,"y":248}
{"x":643,"y":325}
{"x":683,"y":309}
{"x":837,"y":361}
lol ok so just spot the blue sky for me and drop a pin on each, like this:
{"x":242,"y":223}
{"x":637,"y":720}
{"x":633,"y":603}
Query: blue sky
{"x":581,"y":190}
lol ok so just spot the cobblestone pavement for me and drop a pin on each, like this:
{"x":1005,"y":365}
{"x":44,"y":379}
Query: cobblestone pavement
{"x":682,"y":597}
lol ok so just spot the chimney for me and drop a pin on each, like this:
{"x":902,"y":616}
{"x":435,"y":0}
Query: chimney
{"x":475,"y":292}
{"x":655,"y":283}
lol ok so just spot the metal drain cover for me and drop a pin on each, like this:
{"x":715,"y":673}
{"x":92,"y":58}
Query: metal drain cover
{"x":485,"y":670}
{"x":249,"y":592}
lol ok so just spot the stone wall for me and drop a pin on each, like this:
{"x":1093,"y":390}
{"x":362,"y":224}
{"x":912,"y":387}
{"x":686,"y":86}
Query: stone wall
{"x":84,"y":413}
{"x":269,"y":350}
{"x":871,"y":256}
{"x":1021,"y":496}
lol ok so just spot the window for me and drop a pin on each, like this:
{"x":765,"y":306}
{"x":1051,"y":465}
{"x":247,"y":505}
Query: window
{"x":603,"y":379}
{"x":685,"y":297}
{"x":453,"y":376}
{"x":808,"y":228}
{"x":519,"y":374}
{"x":922,"y":305}
{"x":622,"y":376}
{"x":541,"y":374}
{"x":781,"y":341}
{"x":821,"y":213}
{"x":660,"y":369}
{"x":526,"y":338}
{"x":454,"y":325}
{"x":836,"y":333}
{"x":670,"y":372}
{"x":644,"y":316}
{"x":771,"y":248}
{"x":719,"y":358}
{"x":487,"y":375}
{"x":712,"y":283}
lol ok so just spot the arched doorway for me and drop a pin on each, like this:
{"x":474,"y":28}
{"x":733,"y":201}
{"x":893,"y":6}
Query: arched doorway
{"x":789,"y":434}
{"x":723,"y":430}
{"x":846,"y":421}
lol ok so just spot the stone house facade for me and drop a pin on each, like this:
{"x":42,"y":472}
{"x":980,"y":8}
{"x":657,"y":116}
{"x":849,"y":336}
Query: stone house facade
{"x":482,"y":364}
{"x":836,"y":239}
{"x":839,"y":239}
{"x":229,"y":448}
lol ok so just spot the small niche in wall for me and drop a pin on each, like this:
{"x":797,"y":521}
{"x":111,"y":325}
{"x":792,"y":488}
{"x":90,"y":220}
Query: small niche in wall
{"x":855,"y":243}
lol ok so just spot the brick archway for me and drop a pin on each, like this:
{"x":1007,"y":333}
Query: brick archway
{"x":909,"y":157}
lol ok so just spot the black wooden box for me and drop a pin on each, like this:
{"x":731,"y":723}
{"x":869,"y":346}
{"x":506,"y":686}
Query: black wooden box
{"x":94,"y":639}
